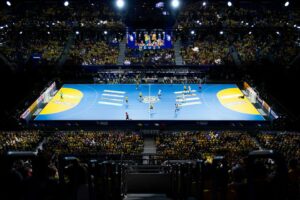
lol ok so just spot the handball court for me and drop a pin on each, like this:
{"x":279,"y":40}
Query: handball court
{"x":111,"y":102}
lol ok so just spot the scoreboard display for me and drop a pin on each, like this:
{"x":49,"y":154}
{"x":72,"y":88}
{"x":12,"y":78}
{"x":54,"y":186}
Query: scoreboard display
{"x":144,"y":40}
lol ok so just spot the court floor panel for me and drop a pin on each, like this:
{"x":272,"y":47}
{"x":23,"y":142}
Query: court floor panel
{"x":108,"y":102}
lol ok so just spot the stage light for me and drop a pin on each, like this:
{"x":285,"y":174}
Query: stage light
{"x":175,"y":3}
{"x":8,"y":3}
{"x":287,"y":3}
{"x":229,"y":4}
{"x":48,"y":32}
{"x":250,"y":33}
{"x":77,"y":32}
{"x":21,"y":32}
{"x":204,"y":3}
{"x":221,"y":32}
{"x":192,"y":32}
{"x":66,"y":3}
{"x":120,"y":4}
{"x":105,"y":32}
{"x":277,"y":32}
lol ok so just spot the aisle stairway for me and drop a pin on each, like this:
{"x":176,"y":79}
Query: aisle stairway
{"x":178,"y":57}
{"x":146,"y":197}
{"x":235,"y":55}
{"x":66,"y":51}
{"x":122,"y":50}
{"x":149,"y":148}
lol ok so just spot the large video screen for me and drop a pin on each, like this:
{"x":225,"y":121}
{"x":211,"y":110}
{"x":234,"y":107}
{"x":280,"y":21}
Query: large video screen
{"x":149,"y":39}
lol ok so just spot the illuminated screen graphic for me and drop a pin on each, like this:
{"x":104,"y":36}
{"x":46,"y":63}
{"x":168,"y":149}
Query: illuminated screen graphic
{"x":149,"y":40}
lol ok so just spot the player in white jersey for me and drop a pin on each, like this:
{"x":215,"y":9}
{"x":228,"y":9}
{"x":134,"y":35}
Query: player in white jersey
{"x":159,"y":93}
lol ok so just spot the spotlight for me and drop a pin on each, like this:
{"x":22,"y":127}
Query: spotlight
{"x":21,"y":32}
{"x":105,"y":32}
{"x":277,"y":32}
{"x":192,"y":32}
{"x":120,"y":4}
{"x":221,"y":32}
{"x":77,"y":32}
{"x":8,"y":3}
{"x":229,"y":4}
{"x":66,"y":3}
{"x":250,"y":33}
{"x":48,"y":32}
{"x":204,"y":3}
{"x":287,"y":3}
{"x":175,"y":3}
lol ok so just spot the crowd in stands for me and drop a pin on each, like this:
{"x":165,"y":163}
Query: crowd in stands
{"x":257,"y":34}
{"x":179,"y":145}
{"x":257,"y":47}
{"x":245,"y":14}
{"x":225,"y":156}
{"x":114,"y":142}
{"x":91,"y":52}
{"x":287,"y":143}
{"x":149,"y":57}
{"x":166,"y":76}
{"x":44,"y":46}
{"x":19,"y":141}
{"x":191,"y":145}
{"x":208,"y":50}
{"x":261,"y":33}
{"x":41,"y":32}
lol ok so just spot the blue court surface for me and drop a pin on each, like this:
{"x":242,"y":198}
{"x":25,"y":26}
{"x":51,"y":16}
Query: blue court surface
{"x":108,"y":102}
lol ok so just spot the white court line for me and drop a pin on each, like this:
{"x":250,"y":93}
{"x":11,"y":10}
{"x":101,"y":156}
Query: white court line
{"x":64,"y":103}
{"x":190,"y":103}
{"x":181,"y":92}
{"x":114,"y":91}
{"x":119,"y":100}
{"x":113,"y":95}
{"x":110,"y":103}
{"x":71,"y":96}
{"x":186,"y":95}
{"x":230,"y":96}
{"x":188,"y":99}
{"x":235,"y":103}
